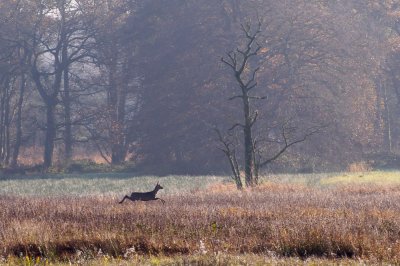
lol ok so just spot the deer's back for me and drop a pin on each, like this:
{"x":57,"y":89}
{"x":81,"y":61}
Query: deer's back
{"x":143,"y":195}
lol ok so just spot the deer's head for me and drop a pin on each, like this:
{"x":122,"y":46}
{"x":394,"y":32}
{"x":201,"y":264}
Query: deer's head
{"x":158,"y":186}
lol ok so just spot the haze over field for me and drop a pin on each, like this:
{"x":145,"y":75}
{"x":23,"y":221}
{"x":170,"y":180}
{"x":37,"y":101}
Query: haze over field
{"x":152,"y":82}
{"x":271,"y":128}
{"x":117,"y":185}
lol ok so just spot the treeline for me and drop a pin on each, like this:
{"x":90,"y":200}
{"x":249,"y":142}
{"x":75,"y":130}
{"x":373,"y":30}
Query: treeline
{"x":142,"y":80}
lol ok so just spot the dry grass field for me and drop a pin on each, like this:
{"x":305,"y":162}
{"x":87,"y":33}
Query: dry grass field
{"x":276,"y":223}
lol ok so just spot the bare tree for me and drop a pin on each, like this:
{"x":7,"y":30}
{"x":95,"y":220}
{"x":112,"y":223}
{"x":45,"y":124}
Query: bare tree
{"x":65,"y":43}
{"x":253,"y":159}
{"x":229,"y":147}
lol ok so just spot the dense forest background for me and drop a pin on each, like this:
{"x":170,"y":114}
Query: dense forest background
{"x":142,"y":81}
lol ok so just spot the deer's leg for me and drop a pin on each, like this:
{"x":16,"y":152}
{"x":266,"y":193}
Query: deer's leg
{"x":160,"y":199}
{"x":126,"y":197}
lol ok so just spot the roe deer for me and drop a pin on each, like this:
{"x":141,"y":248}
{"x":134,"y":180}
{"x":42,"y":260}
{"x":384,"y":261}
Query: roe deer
{"x":145,"y":196}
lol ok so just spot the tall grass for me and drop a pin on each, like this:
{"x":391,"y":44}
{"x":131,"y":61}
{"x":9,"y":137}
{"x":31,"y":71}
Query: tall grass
{"x":283,"y":220}
{"x":326,"y":180}
{"x":100,"y":184}
{"x":78,"y":218}
{"x":120,"y":183}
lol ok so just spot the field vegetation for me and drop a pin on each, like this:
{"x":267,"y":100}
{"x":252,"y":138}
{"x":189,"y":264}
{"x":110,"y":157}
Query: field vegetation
{"x":103,"y":184}
{"x":277,"y":222}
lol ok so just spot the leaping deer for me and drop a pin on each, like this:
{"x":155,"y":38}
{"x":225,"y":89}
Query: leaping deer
{"x":144,"y":196}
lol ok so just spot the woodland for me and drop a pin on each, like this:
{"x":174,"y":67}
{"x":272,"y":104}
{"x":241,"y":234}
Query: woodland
{"x":149,"y":82}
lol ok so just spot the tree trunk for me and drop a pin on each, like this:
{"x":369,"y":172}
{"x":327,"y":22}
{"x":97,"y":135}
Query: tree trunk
{"x":18,"y":140}
{"x":387,"y":117}
{"x":7,"y":124}
{"x":67,"y":100}
{"x":113,"y":110}
{"x":248,"y":144}
{"x":378,"y":126}
{"x":116,"y":105}
{"x":68,"y":126}
{"x":2,"y":127}
{"x":50,"y":102}
{"x":50,"y":136}
{"x":67,"y":115}
{"x":121,"y":151}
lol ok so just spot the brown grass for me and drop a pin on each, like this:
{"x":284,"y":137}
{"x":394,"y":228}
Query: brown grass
{"x":273,"y":220}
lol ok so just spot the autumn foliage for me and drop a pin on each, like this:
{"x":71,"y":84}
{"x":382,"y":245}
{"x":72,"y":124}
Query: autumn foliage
{"x":142,"y":81}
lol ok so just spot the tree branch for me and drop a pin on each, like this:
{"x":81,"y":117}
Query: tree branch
{"x":230,"y":151}
{"x":288,"y":144}
{"x":233,"y":60}
{"x":258,"y":98}
{"x":255,"y":118}
{"x":236,"y":125}
{"x":252,"y":79}
{"x":238,"y":96}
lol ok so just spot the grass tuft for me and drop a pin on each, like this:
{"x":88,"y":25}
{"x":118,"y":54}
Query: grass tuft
{"x":210,"y":224}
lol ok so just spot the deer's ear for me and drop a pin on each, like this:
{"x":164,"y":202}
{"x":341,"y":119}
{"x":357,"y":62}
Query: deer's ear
{"x":158,"y":182}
